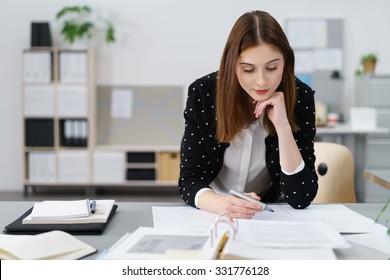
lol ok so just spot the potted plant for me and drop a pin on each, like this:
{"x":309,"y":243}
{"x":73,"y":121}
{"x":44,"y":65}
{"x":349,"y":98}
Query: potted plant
{"x":368,"y":62}
{"x":78,"y":24}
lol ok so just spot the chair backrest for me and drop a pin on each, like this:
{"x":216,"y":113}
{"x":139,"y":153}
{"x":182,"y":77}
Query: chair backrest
{"x":335,"y":169}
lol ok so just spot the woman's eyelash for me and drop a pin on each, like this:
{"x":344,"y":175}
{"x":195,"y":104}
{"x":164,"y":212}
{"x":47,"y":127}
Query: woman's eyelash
{"x":268,"y":69}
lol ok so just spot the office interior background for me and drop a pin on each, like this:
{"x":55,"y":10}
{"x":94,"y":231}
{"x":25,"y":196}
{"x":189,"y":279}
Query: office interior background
{"x":170,"y":42}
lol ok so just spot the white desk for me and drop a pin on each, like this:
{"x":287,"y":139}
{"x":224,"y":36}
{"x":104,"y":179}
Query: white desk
{"x":131,"y":215}
{"x":339,"y":133}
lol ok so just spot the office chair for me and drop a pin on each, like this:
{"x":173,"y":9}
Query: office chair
{"x":335,"y":169}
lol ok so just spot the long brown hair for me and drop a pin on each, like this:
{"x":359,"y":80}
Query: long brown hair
{"x":250,"y":30}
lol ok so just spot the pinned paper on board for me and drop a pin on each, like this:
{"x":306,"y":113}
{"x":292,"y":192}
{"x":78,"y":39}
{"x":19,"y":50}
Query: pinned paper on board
{"x":304,"y":61}
{"x":307,"y":33}
{"x":328,"y":59}
{"x":120,"y":110}
{"x":121,"y":103}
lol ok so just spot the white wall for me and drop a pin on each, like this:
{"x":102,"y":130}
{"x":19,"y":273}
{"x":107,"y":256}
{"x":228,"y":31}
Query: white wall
{"x":167,"y":42}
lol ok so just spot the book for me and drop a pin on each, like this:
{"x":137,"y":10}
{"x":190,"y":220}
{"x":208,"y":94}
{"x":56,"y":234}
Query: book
{"x":71,"y":212}
{"x":232,"y":239}
{"x":17,"y":226}
{"x":52,"y":245}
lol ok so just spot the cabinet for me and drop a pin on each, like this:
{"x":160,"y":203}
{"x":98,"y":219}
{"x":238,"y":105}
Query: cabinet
{"x":374,"y":91}
{"x":135,"y":166}
{"x":57,"y":90}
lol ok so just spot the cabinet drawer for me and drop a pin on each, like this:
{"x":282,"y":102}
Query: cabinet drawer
{"x":379,"y":93}
{"x":384,"y":118}
{"x":378,"y":153}
{"x":141,"y":174}
{"x":140,"y":157}
{"x":169,"y":166}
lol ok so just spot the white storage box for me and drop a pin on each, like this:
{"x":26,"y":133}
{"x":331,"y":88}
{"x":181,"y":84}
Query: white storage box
{"x":363,"y":117}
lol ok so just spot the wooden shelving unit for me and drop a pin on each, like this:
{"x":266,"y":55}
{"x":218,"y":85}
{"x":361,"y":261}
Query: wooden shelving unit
{"x":60,"y":130}
{"x":57,"y":90}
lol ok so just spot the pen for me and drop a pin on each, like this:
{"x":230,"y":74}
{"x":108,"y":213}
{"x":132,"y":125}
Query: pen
{"x":248,"y":198}
{"x":93,"y":206}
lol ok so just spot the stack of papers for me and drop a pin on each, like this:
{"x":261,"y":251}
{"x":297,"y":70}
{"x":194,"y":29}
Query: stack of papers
{"x":353,"y":227}
{"x":254,"y":240}
{"x":69,"y":212}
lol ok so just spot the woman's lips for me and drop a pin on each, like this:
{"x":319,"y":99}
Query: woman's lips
{"x":262,"y":91}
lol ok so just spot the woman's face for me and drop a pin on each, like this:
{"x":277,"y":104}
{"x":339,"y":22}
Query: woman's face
{"x":259,"y":71}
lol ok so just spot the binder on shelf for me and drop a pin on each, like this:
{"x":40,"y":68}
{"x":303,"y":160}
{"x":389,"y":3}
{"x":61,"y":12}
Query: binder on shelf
{"x":108,"y":166}
{"x":41,"y":167}
{"x":67,"y":133}
{"x":73,"y":67}
{"x":83,"y":126}
{"x":73,"y":166}
{"x":39,"y":132}
{"x":74,"y":133}
{"x":37,"y":66}
{"x":232,"y":239}
{"x":38,"y":101}
{"x":72,"y":101}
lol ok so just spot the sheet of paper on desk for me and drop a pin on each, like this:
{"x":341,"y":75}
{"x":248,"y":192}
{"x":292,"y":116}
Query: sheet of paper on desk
{"x":377,"y":239}
{"x":337,"y":216}
{"x":289,"y":234}
{"x":182,"y":217}
{"x":189,"y":217}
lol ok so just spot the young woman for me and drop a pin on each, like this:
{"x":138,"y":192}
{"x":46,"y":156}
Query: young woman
{"x":250,"y":126}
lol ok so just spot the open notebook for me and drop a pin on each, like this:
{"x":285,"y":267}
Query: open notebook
{"x":52,"y":245}
{"x":250,"y":239}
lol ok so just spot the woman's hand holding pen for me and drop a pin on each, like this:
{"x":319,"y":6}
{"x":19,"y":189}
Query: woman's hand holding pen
{"x":240,"y":208}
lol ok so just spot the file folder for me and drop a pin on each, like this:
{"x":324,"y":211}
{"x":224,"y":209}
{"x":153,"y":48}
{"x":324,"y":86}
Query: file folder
{"x":17,"y":227}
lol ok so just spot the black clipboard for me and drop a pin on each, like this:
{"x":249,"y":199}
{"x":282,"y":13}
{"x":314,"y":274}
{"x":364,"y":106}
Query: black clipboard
{"x":17,"y":227}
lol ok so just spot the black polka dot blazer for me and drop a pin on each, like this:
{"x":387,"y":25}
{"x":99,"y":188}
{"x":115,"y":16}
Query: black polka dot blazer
{"x":202,"y":155}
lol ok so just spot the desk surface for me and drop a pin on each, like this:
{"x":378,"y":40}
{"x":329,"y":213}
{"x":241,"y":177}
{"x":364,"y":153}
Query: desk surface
{"x":346,"y":128}
{"x":379,"y":176}
{"x":131,"y":215}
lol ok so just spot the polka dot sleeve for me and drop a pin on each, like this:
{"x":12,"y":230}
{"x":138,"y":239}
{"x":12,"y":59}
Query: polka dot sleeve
{"x":301,"y":188}
{"x":196,"y":170}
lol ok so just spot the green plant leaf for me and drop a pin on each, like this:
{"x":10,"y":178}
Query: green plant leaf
{"x":78,"y":24}
{"x":369,"y":57}
{"x":110,"y":34}
{"x":382,"y":212}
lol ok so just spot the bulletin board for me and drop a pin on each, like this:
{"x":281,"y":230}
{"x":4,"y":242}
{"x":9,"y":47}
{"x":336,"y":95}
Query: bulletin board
{"x":139,"y":115}
{"x":319,"y":57}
